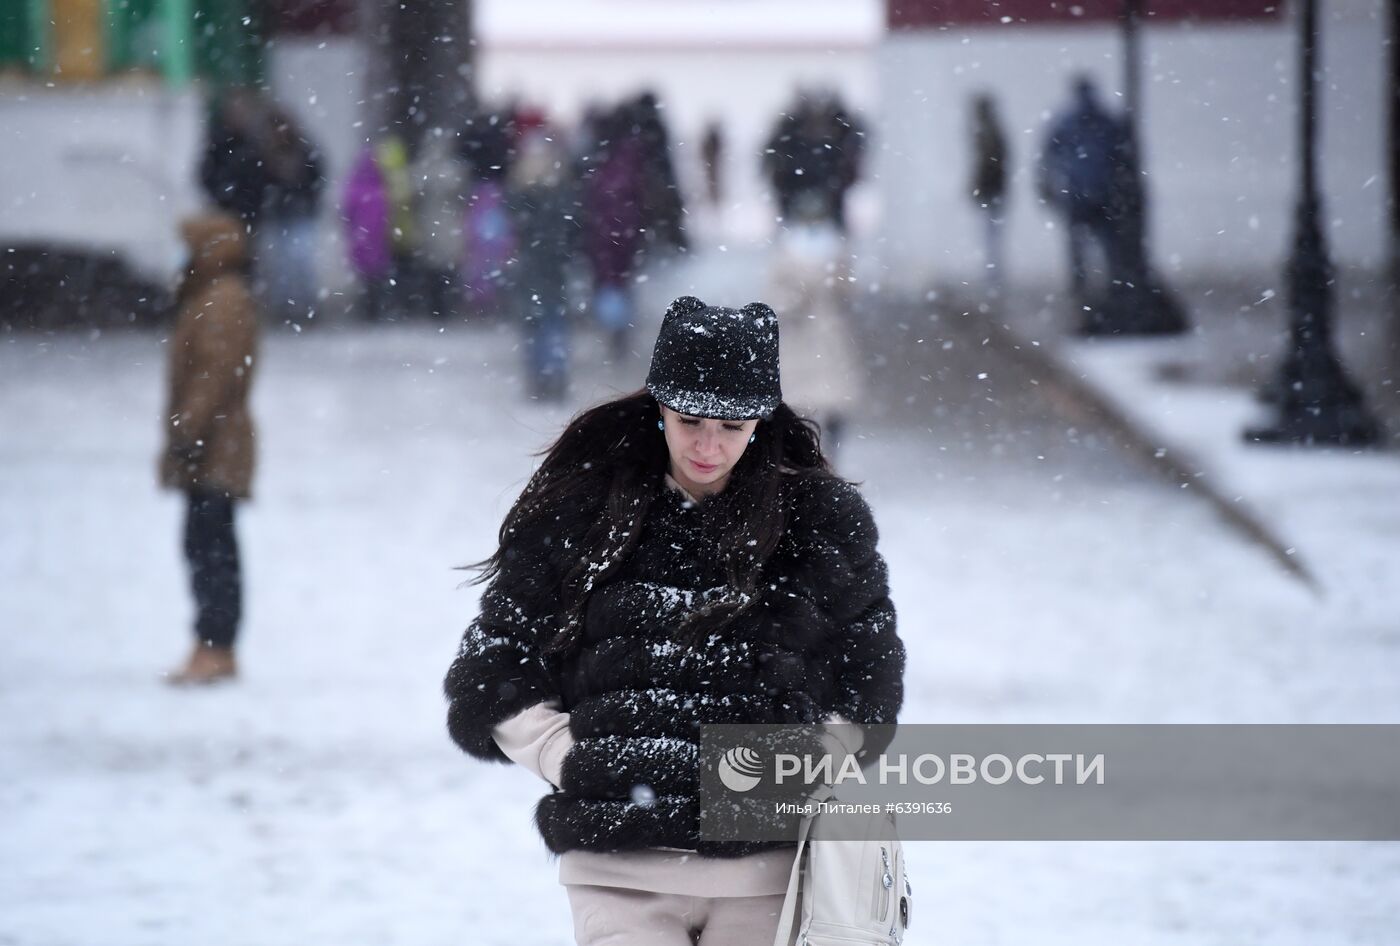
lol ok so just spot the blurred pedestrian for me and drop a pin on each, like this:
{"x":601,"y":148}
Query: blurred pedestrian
{"x":1079,"y":171}
{"x":209,"y":445}
{"x":613,"y":222}
{"x":440,"y":208}
{"x":234,"y":169}
{"x":684,"y":556}
{"x":810,"y":285}
{"x":782,"y":155}
{"x":287,"y":235}
{"x":661,"y":202}
{"x":365,"y":212}
{"x":544,"y":209}
{"x":485,"y":144}
{"x":488,"y":229}
{"x":377,"y":210}
{"x":847,"y":140}
{"x":712,"y":161}
{"x":815,"y":147}
{"x":989,"y":162}
{"x":391,"y":157}
{"x":524,"y":119}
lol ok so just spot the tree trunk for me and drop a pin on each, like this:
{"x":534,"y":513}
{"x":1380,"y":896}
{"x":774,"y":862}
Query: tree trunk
{"x":420,"y":66}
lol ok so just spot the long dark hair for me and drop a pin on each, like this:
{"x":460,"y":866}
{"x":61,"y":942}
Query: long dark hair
{"x":607,"y":467}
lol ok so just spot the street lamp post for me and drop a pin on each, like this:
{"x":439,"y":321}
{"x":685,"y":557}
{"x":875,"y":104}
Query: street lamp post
{"x":1136,"y":303}
{"x":1315,"y":402}
{"x":1393,"y":156}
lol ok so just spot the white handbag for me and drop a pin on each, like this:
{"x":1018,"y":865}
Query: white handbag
{"x":846,"y":893}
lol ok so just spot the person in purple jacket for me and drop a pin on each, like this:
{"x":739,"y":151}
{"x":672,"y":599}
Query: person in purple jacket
{"x":613,"y":222}
{"x":365,"y":211}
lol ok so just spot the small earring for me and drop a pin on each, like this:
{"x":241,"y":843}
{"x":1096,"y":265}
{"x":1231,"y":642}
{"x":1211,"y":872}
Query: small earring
{"x":661,"y":425}
{"x":753,"y":437}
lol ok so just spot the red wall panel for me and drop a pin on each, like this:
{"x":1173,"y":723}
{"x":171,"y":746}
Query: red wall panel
{"x":311,"y":16}
{"x":926,"y":14}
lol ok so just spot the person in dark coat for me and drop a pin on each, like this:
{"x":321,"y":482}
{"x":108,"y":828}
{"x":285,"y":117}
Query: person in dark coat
{"x":661,"y":194}
{"x":817,"y":148}
{"x":614,"y":221}
{"x":847,"y":141}
{"x":486,"y":147}
{"x":683,"y":556}
{"x":209,"y":445}
{"x":1080,"y":167}
{"x":288,"y":228}
{"x":782,"y":161}
{"x":989,"y":161}
{"x":234,"y":169}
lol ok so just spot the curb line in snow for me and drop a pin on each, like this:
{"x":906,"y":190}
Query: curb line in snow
{"x":1172,"y":459}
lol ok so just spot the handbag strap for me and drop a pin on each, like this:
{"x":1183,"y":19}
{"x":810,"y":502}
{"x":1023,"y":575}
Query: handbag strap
{"x":787,"y":918}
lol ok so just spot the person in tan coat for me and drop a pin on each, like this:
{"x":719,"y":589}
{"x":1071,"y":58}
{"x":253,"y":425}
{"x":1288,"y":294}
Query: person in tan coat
{"x":209,"y":443}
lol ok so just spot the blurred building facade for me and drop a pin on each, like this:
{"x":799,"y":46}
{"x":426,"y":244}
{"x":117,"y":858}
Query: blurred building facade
{"x":107,"y":97}
{"x":103,"y":103}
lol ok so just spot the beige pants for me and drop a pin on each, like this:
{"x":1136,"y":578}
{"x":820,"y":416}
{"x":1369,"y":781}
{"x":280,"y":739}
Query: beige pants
{"x":622,"y":916}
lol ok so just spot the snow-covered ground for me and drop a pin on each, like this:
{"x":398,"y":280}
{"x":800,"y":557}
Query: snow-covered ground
{"x":1333,"y":506}
{"x":1038,"y":577}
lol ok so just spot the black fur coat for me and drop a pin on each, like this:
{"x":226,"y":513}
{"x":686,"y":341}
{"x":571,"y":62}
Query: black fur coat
{"x":821,"y":640}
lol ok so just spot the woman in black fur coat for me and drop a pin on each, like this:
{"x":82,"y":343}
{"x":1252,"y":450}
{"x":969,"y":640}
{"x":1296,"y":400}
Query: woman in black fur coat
{"x":683,"y":556}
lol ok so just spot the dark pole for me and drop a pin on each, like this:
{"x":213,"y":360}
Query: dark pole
{"x":1394,"y":143}
{"x":1136,"y":302}
{"x":1134,"y":271}
{"x":1307,"y":114}
{"x":1315,"y":401}
{"x":1393,"y":151}
{"x":421,"y":70}
{"x":1132,"y":68}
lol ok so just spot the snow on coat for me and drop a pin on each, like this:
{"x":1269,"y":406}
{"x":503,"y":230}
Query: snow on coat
{"x":208,"y":430}
{"x":821,"y":640}
{"x":810,"y":289}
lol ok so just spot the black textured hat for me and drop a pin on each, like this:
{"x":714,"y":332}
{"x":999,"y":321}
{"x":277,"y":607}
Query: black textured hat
{"x":716,"y":362}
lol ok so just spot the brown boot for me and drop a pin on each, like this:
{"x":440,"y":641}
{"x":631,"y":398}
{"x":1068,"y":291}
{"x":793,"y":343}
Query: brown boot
{"x":207,"y":664}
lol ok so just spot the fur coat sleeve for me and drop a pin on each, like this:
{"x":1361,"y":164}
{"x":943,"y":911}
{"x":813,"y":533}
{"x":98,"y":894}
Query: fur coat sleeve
{"x":836,"y":566}
{"x":500,"y":668}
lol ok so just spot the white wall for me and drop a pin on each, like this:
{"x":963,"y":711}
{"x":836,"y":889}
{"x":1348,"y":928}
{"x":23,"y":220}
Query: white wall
{"x":115,"y":165}
{"x":106,"y":166}
{"x":1219,"y":136}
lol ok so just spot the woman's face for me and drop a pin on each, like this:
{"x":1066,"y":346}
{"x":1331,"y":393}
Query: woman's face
{"x":704,"y":451}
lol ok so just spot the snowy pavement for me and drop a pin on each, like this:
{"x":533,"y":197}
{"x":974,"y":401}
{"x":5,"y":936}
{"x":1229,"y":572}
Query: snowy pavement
{"x":1039,"y":577}
{"x":1190,"y":399}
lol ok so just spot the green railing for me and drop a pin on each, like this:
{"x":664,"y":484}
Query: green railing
{"x":219,"y":41}
{"x":20,"y":41}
